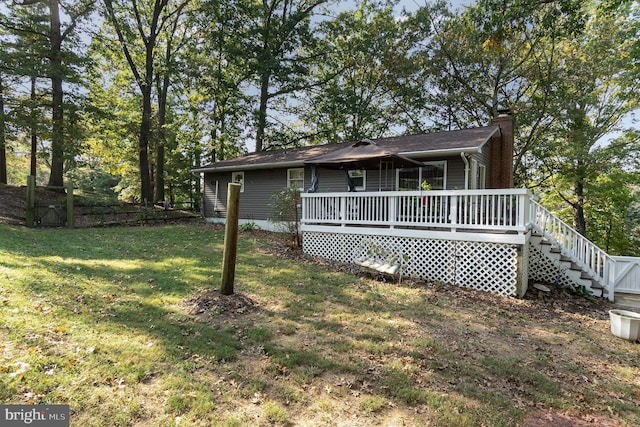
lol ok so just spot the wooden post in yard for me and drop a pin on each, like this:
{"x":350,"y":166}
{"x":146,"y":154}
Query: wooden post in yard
{"x":230,"y":239}
{"x":69,"y":204}
{"x":31,"y":200}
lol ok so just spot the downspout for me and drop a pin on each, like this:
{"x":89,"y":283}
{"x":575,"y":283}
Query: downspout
{"x":215,"y":201}
{"x":466,"y":170}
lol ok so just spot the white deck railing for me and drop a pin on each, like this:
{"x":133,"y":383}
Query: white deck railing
{"x":488,"y":210}
{"x":584,"y":252}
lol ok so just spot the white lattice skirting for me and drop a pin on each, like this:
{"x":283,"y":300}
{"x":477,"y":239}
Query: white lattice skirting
{"x":546,"y":270}
{"x":491,"y":267}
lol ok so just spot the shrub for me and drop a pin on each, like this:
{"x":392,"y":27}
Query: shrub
{"x":285,"y":213}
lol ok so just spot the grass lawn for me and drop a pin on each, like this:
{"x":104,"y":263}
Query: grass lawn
{"x":99,"y":319}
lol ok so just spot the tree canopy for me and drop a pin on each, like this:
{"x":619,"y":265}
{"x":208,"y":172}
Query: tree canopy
{"x":145,"y":90}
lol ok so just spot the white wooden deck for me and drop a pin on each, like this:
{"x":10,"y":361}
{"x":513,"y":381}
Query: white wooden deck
{"x":500,"y":216}
{"x":483,"y":217}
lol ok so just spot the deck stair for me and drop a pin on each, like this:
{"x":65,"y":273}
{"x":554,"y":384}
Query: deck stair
{"x":567,"y":272}
{"x":563,"y":256}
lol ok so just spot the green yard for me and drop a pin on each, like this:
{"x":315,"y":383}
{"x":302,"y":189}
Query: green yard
{"x":100,"y":319}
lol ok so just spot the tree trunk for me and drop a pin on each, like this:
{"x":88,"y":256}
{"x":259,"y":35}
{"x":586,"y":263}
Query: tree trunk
{"x":3,"y":139}
{"x":262,"y":111}
{"x":146,"y":192}
{"x":579,"y":222}
{"x":34,"y":130}
{"x":214,"y":137}
{"x":163,"y":91}
{"x":159,"y":178}
{"x":197,"y":158}
{"x":143,"y":144}
{"x":57,"y":137}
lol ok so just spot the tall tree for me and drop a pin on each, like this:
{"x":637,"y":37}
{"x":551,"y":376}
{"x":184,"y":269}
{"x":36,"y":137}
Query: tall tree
{"x":60,"y":58}
{"x":25,"y":65}
{"x":609,"y":194}
{"x":57,"y":95}
{"x":174,"y":39}
{"x":362,"y":77}
{"x":598,"y":87}
{"x":4,"y":59}
{"x":3,"y":138}
{"x":492,"y":57}
{"x":283,"y":34}
{"x":115,"y":115}
{"x":219,"y":75}
{"x":138,"y":27}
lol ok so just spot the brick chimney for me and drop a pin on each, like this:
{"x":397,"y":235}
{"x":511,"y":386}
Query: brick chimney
{"x":501,"y":169}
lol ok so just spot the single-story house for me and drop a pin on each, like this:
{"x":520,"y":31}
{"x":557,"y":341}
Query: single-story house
{"x":439,"y":206}
{"x":474,"y":158}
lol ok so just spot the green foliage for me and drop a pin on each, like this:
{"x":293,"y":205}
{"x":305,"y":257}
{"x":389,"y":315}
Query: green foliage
{"x":372,"y":404}
{"x":248,"y":226}
{"x":178,"y":403}
{"x":281,"y":47}
{"x":609,"y":195}
{"x":94,"y":183}
{"x":259,"y":335}
{"x":366,"y":63}
{"x":285,"y":213}
{"x":222,"y":73}
{"x":275,"y":414}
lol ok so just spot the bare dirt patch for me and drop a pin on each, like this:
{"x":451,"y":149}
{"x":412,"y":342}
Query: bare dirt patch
{"x":211,"y":303}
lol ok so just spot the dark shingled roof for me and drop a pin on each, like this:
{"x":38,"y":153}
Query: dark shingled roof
{"x":422,"y":145}
{"x":363,"y":154}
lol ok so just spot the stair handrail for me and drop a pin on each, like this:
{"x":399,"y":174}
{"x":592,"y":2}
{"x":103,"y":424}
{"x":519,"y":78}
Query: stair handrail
{"x":584,"y":252}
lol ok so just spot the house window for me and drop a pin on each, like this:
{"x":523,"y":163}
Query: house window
{"x":478,"y":175}
{"x":433,"y":174}
{"x":482,"y":177}
{"x":295,"y":178}
{"x":359,"y":179}
{"x":238,"y":178}
{"x":429,"y":177}
{"x":408,"y":179}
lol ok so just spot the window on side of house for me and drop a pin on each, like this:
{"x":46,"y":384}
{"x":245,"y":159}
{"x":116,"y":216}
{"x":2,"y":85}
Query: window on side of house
{"x":432,"y":176}
{"x":478,"y":175}
{"x":359,"y":179}
{"x":295,"y":178}
{"x":408,"y":179}
{"x":482,"y":177}
{"x":238,"y":178}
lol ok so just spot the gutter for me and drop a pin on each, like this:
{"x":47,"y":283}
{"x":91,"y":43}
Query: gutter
{"x":447,"y":152}
{"x":295,"y":163}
